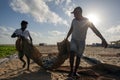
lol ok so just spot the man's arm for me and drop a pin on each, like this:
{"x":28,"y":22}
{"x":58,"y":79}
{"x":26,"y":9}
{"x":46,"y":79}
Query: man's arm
{"x":69,"y":33}
{"x":30,"y":37}
{"x":14,"y":35}
{"x":94,"y":29}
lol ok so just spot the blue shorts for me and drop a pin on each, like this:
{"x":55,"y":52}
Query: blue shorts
{"x":77,"y":46}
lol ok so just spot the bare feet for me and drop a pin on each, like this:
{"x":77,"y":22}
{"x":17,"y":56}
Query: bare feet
{"x":76,"y":74}
{"x":70,"y":74}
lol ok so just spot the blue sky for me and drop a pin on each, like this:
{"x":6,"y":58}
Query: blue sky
{"x":50,"y":20}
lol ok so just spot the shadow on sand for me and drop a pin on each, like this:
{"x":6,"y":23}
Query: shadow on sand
{"x":97,"y":72}
{"x":41,"y":74}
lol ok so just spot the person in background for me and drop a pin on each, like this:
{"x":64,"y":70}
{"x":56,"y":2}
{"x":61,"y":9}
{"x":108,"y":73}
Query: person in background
{"x":22,"y":33}
{"x":79,"y":27}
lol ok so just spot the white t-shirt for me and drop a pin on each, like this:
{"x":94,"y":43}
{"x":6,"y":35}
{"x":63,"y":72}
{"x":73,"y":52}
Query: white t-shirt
{"x":24,"y":33}
{"x":80,"y":29}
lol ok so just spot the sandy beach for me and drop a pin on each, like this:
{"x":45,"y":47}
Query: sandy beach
{"x":110,"y":57}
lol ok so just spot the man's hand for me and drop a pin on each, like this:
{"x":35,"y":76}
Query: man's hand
{"x":104,"y":43}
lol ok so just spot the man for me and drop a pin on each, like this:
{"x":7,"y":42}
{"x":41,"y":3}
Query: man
{"x":78,"y":30}
{"x":22,"y":33}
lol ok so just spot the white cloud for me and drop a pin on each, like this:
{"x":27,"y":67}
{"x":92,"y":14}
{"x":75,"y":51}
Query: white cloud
{"x":68,"y":1}
{"x":113,"y":33}
{"x":54,"y":40}
{"x":64,"y":4}
{"x":114,"y":30}
{"x":5,"y":35}
{"x":2,"y":29}
{"x":66,"y":7}
{"x":62,"y":1}
{"x":20,"y":6}
{"x":56,"y":33}
{"x":38,"y":9}
{"x":51,"y":38}
{"x":68,"y":10}
{"x":5,"y":31}
{"x":55,"y":36}
{"x":36,"y":34}
{"x":59,"y":2}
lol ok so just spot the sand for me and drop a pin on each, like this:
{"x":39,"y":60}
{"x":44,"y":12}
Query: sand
{"x":12,"y":68}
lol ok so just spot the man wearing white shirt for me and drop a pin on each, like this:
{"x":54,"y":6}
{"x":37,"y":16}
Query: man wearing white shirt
{"x":22,"y":32}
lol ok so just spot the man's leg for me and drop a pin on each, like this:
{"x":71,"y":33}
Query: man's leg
{"x":72,"y":55}
{"x":76,"y":65}
{"x":28,"y":62}
{"x":21,"y":58}
{"x":80,"y":48}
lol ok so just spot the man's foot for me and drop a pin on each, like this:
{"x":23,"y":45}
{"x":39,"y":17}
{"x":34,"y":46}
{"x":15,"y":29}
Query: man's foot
{"x":76,"y":74}
{"x":70,"y":74}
